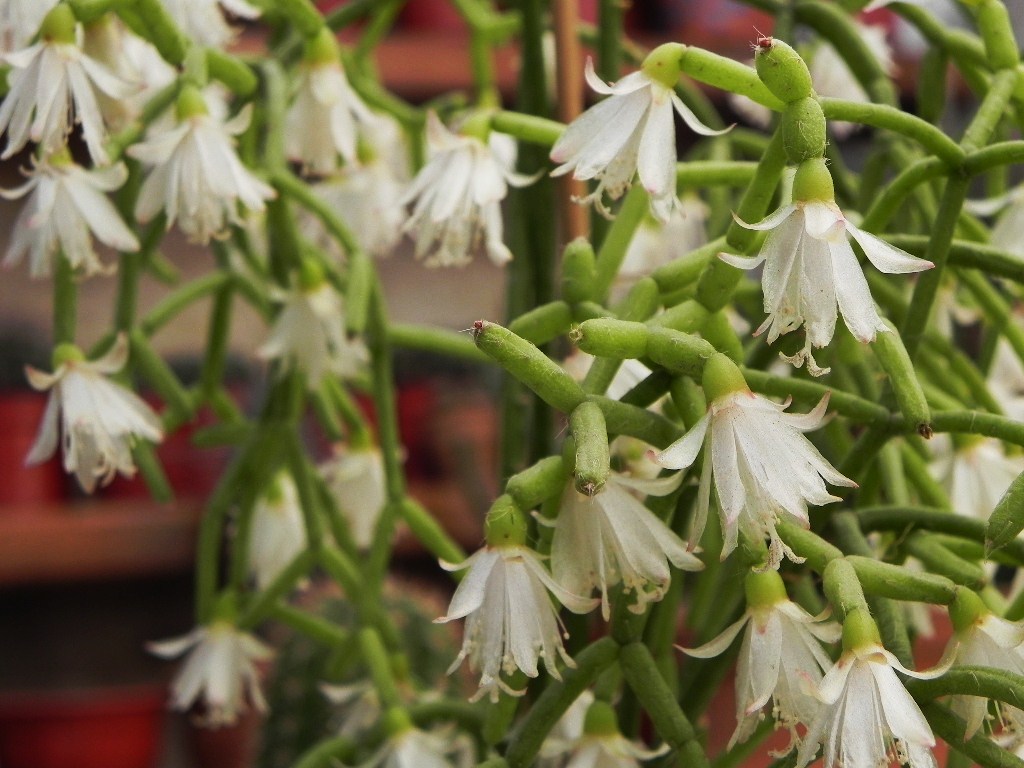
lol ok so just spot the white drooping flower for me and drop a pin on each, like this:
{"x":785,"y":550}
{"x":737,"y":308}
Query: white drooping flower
{"x":309,"y":334}
{"x":983,"y":639}
{"x":610,"y":537}
{"x":764,"y":469}
{"x":196,"y":177}
{"x":656,"y":243}
{"x":220,"y":673}
{"x":631,"y":132}
{"x":53,"y":85}
{"x":95,"y":420}
{"x":355,"y":477}
{"x":415,"y":748}
{"x":567,"y":731}
{"x":781,"y":659}
{"x":324,"y":118}
{"x":1006,"y":380}
{"x":602,"y":745}
{"x":975,"y":472}
{"x":19,"y":22}
{"x":204,"y":22}
{"x":67,"y":206}
{"x":278,"y":532}
{"x":367,"y":195}
{"x":810,"y":267}
{"x":867,"y":718}
{"x":510,"y":619}
{"x":456,"y":199}
{"x":1008,"y":232}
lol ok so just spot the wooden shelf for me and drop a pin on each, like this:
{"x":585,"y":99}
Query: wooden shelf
{"x":95,"y":539}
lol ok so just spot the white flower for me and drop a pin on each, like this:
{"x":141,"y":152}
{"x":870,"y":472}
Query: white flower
{"x":975,"y":473}
{"x":368,"y":198}
{"x":99,"y":420}
{"x":810,"y":267}
{"x":413,"y":748}
{"x":868,"y":718}
{"x":764,"y":468}
{"x":1008,"y":233}
{"x":278,"y":531}
{"x":456,"y":199}
{"x":656,"y":243}
{"x":610,"y":537}
{"x":781,"y":660}
{"x":309,"y":334}
{"x":323,"y":120}
{"x":633,"y":131}
{"x":510,"y":619}
{"x":567,"y":732}
{"x":203,"y":20}
{"x":196,"y":177}
{"x":359,"y":704}
{"x":989,"y":641}
{"x":52,"y":86}
{"x":1006,"y":380}
{"x":355,"y":477}
{"x":220,"y":672}
{"x":66,"y":204}
{"x":20,"y":20}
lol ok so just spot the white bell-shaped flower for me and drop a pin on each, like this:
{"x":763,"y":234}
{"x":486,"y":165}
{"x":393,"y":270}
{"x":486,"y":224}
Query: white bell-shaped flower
{"x":610,"y":537}
{"x":602,"y":745}
{"x":94,"y":419}
{"x":196,"y":177}
{"x":220,"y":672}
{"x":810,"y":267}
{"x":510,"y":619}
{"x":309,"y":332}
{"x":52,"y":83}
{"x":355,"y":477}
{"x":456,"y":199}
{"x":763,"y":467}
{"x":974,"y":471}
{"x":324,"y":118}
{"x":67,"y":206}
{"x":278,"y":532}
{"x":868,"y":719}
{"x":632,"y":131}
{"x":781,"y":659}
{"x":983,"y":639}
{"x":204,"y":22}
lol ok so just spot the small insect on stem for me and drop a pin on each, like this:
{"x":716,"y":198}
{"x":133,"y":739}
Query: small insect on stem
{"x":477,"y":329}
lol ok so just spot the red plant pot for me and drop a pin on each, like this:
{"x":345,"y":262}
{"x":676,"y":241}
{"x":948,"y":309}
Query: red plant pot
{"x":97,"y":728}
{"x":21,"y":414}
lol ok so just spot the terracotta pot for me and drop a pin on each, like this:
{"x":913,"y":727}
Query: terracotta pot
{"x":21,"y":413}
{"x":90,"y":728}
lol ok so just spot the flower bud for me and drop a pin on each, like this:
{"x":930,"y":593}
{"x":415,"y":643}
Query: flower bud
{"x":764,"y":588}
{"x":721,"y":377}
{"x":58,"y":25}
{"x":322,"y":49}
{"x":67,"y":353}
{"x":505,"y":525}
{"x":782,"y":70}
{"x":859,"y":630}
{"x":803,"y":130}
{"x":813,"y":181}
{"x":966,"y":609}
{"x":600,"y":720}
{"x":190,"y":103}
{"x":662,"y":64}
